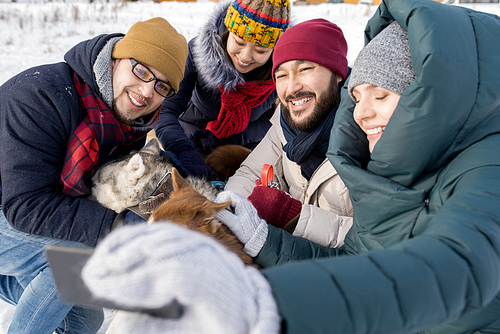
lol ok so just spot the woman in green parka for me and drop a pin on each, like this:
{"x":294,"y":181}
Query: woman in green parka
{"x":423,"y":255}
{"x":426,"y":197}
{"x":425,"y":191}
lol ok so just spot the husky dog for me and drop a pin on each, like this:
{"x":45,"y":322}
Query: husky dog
{"x":126,"y":182}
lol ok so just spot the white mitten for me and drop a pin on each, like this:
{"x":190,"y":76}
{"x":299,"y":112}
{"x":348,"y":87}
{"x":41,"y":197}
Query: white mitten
{"x":245,"y":222}
{"x":150,"y":266}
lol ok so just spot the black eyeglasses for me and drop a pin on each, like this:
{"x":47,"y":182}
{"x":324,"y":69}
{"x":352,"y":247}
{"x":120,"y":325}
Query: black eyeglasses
{"x":144,"y":74}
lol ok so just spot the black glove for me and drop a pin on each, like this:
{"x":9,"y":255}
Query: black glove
{"x":191,"y":161}
{"x":205,"y":141}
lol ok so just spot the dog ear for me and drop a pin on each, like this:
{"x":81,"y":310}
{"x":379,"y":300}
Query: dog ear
{"x":210,"y":208}
{"x":178,"y":181}
{"x":152,"y":147}
{"x":135,"y":168}
{"x":220,"y":206}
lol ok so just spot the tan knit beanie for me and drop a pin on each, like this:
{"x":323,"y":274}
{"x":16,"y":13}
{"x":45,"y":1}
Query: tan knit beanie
{"x":157,"y":44}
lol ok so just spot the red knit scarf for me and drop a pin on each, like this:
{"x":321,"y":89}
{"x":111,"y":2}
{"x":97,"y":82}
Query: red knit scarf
{"x":99,"y":132}
{"x":236,"y":107}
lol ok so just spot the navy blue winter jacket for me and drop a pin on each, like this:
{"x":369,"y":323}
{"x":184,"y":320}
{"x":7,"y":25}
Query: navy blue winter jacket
{"x":39,"y":109}
{"x":198,"y":100}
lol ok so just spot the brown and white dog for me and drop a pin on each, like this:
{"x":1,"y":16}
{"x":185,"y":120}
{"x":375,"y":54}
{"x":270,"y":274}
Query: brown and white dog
{"x":188,"y":207}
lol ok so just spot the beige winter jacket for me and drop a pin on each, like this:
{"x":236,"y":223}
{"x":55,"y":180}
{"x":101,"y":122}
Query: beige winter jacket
{"x":326,"y":214}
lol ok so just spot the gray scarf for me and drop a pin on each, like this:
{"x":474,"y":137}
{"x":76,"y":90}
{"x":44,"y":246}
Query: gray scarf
{"x":103,"y":71}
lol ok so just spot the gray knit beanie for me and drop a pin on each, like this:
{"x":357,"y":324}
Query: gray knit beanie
{"x":385,"y":62}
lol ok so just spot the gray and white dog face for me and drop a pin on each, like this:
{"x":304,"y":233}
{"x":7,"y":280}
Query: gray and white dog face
{"x":128,"y":181}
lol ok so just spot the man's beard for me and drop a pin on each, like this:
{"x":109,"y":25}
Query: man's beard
{"x":119,"y":117}
{"x":324,"y":105}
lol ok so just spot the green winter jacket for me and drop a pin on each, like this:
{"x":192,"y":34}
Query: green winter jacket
{"x":423,"y":255}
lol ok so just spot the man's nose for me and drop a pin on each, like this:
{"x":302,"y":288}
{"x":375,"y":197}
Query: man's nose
{"x":148,"y":89}
{"x":294,"y":85}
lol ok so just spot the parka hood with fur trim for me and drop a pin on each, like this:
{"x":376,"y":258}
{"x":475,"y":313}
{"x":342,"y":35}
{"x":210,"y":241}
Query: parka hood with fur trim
{"x":214,"y":67}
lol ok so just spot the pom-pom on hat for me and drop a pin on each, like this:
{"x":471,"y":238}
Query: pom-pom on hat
{"x":316,"y":40}
{"x":157,"y":44}
{"x":384,"y":62}
{"x":260,"y":22}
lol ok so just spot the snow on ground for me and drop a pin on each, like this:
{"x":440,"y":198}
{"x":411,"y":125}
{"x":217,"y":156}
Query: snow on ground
{"x":40,"y":31}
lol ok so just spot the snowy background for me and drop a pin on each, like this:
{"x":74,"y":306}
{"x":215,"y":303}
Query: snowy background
{"x":39,"y":32}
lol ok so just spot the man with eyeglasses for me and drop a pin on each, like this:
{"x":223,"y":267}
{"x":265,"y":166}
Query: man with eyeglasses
{"x":58,"y":124}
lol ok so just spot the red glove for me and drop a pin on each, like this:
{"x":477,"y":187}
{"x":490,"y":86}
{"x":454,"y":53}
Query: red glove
{"x":275,"y":206}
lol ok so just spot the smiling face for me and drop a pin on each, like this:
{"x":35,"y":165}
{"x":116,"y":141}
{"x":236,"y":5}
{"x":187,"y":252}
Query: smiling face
{"x":133,"y":98}
{"x":307,"y":91}
{"x":246,"y":56}
{"x":374,"y":108}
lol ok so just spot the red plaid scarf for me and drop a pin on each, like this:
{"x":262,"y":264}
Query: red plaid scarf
{"x":98,"y":133}
{"x":236,"y":106}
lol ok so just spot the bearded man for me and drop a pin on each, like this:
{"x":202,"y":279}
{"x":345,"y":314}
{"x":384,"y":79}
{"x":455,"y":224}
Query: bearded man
{"x":311,"y":201}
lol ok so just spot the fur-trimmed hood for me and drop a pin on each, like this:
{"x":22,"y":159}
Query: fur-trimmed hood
{"x":209,"y":56}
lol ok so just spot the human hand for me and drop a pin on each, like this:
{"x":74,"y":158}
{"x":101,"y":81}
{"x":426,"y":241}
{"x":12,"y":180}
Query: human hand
{"x":245,"y":222}
{"x":149,"y":267}
{"x":188,"y":160}
{"x":275,"y":206}
{"x":205,"y":141}
{"x":193,"y":163}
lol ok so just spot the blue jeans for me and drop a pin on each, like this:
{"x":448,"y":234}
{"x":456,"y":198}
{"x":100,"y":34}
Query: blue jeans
{"x":26,"y":282}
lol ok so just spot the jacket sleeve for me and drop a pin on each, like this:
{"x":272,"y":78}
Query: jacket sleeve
{"x":322,"y":226}
{"x":281,"y":247}
{"x":267,"y":152}
{"x":38,"y":115}
{"x":452,"y":269}
{"x":169,"y":130}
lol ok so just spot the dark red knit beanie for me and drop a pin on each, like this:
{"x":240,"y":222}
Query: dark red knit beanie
{"x":317,"y":40}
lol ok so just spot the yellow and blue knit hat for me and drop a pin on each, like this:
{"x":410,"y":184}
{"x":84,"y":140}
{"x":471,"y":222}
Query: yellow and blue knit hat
{"x":260,"y":22}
